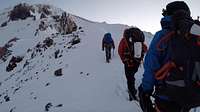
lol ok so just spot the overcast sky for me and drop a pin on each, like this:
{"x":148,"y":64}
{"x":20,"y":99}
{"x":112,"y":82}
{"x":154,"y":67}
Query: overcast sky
{"x":144,"y":14}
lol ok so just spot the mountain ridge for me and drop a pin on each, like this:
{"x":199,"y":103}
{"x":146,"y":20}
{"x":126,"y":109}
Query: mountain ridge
{"x":49,"y":69}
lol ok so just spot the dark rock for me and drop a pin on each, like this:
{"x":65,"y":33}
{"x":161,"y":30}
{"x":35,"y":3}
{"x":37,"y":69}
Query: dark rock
{"x":59,"y":105}
{"x":36,"y":32}
{"x":75,"y":40}
{"x":44,"y":70}
{"x":13,"y":63}
{"x":79,"y":27}
{"x":47,"y":84}
{"x":6,"y":98}
{"x":35,"y":98}
{"x":26,"y":80}
{"x":4,"y":24}
{"x":69,"y":47}
{"x":10,"y":67}
{"x":3,"y":51}
{"x":20,"y":11}
{"x":12,"y":110}
{"x":34,"y":18}
{"x":48,"y":106}
{"x":10,"y":42}
{"x":25,"y":64}
{"x":58,"y":72}
{"x":44,"y":9}
{"x":33,"y":55}
{"x":56,"y":18}
{"x":60,"y":56}
{"x":16,"y":59}
{"x":42,"y":26}
{"x":48,"y":42}
{"x":56,"y":54}
{"x":67,"y":25}
{"x":43,"y":16}
{"x":29,"y":50}
{"x":16,"y":90}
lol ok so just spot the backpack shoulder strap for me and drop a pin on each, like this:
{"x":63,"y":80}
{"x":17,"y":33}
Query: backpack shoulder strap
{"x":126,"y":43}
{"x":165,"y":39}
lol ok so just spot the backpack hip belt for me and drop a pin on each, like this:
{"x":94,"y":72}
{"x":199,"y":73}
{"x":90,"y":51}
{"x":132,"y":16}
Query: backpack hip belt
{"x":178,"y":83}
{"x":108,"y":45}
{"x":129,"y":62}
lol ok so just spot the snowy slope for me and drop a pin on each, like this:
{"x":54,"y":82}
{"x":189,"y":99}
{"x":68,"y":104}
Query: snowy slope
{"x":88,"y":83}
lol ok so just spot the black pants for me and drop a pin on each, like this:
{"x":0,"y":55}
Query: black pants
{"x":169,"y":106}
{"x":130,"y":73}
{"x":181,"y":99}
{"x":108,"y":54}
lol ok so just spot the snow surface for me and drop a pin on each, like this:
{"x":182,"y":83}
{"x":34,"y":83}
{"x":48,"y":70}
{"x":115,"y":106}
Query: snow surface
{"x":88,"y":83}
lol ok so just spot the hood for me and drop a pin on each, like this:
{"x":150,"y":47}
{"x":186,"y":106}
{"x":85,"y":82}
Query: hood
{"x":166,"y":22}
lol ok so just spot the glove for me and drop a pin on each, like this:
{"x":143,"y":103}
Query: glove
{"x":145,"y":101}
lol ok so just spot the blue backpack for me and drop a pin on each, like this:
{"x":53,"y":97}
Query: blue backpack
{"x":107,"y":38}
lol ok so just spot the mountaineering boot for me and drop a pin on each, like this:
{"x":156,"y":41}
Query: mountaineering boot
{"x":132,"y":96}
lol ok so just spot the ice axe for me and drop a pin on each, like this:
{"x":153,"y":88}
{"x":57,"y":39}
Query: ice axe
{"x":113,"y":52}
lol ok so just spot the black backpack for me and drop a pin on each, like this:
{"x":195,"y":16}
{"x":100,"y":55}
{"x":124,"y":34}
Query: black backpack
{"x":183,"y":49}
{"x":135,"y":33}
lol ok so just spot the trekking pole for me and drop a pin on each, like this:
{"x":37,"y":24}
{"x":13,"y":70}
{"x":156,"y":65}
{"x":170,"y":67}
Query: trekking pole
{"x":113,"y":52}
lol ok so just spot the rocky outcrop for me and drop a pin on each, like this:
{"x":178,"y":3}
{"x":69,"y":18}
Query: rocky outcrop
{"x":13,"y":63}
{"x":45,"y":9}
{"x":20,"y":11}
{"x":4,"y":51}
{"x":66,"y":23}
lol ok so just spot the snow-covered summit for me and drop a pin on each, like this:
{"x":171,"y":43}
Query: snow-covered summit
{"x":52,"y":61}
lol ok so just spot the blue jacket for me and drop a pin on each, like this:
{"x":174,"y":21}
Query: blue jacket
{"x":154,"y":59}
